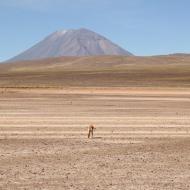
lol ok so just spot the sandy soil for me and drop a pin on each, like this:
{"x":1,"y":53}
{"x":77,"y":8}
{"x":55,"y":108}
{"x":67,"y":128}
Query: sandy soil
{"x":142,"y":139}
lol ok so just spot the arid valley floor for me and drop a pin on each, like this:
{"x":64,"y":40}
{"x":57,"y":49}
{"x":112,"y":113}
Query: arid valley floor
{"x":139,"y":105}
{"x":142,"y":138}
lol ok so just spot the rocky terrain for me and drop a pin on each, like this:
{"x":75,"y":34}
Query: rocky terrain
{"x":141,"y":139}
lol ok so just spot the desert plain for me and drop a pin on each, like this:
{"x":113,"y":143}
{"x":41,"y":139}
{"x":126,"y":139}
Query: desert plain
{"x":141,"y":114}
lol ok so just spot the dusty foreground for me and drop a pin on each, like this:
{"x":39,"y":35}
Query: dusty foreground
{"x":142,"y":139}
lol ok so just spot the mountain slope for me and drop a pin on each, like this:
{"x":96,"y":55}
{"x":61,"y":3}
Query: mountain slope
{"x":80,"y":42}
{"x":98,"y":71}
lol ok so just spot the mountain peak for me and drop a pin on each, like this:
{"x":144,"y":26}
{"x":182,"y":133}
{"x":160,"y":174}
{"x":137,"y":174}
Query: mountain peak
{"x":72,"y":42}
{"x":62,"y":32}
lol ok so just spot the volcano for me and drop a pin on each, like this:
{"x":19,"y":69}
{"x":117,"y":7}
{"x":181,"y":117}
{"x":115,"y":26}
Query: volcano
{"x":81,"y":42}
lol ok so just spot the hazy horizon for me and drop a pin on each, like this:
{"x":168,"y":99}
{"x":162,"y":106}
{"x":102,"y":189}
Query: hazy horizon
{"x":142,"y":27}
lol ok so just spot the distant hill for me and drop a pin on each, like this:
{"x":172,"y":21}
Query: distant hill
{"x":98,"y":71}
{"x":81,"y":42}
{"x":179,"y":54}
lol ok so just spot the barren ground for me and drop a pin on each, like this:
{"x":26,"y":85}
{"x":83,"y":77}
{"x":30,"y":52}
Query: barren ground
{"x":141,"y":142}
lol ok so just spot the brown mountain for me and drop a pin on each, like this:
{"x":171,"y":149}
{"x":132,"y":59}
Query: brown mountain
{"x":98,"y":71}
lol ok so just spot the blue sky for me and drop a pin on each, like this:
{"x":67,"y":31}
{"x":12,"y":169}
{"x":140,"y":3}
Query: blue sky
{"x":143,"y":27}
